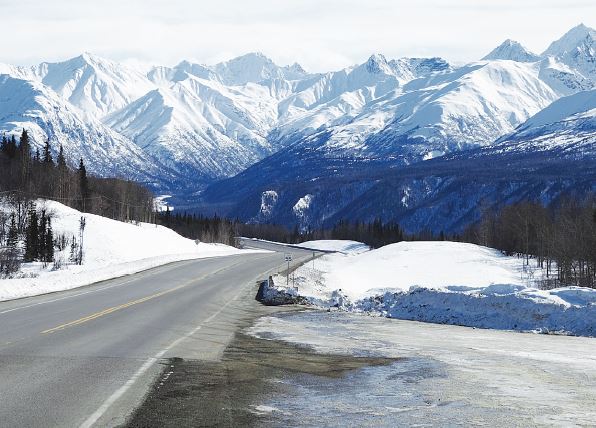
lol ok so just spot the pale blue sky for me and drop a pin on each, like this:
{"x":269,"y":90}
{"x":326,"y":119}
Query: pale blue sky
{"x":320,"y":34}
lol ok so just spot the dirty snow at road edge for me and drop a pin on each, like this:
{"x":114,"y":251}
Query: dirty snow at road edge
{"x":443,"y":375}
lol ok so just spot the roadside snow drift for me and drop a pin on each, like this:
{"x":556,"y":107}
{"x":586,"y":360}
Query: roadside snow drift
{"x":445,"y":282}
{"x":111,"y":249}
{"x":339,"y":245}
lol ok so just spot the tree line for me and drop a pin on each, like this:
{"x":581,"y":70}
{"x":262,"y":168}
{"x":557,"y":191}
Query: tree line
{"x":26,"y":175}
{"x":29,"y":174}
{"x":560,"y":238}
{"x":199,"y":227}
{"x":223,"y":230}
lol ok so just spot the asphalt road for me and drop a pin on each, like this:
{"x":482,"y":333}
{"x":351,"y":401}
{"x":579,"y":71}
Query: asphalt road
{"x":86,"y":357}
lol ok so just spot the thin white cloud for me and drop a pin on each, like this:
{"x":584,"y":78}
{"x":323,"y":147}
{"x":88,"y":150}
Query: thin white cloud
{"x":320,"y":34}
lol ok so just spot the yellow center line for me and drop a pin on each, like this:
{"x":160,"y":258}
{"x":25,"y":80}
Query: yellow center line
{"x":134,"y":302}
{"x":113,"y":309}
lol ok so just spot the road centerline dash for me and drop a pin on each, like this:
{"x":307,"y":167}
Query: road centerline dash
{"x":113,"y":309}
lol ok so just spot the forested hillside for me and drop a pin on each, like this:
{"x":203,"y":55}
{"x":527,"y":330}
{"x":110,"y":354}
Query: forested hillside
{"x":27,"y":176}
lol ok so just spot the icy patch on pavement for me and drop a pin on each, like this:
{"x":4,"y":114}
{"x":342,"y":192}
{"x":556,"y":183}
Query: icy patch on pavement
{"x":444,"y":375}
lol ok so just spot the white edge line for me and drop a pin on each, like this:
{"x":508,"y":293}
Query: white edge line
{"x":165,"y":268}
{"x":137,"y":276}
{"x":91,"y":420}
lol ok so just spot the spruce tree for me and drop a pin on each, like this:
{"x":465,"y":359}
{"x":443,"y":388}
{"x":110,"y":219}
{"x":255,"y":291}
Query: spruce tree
{"x":83,"y":183}
{"x":11,"y":262}
{"x":32,"y":236}
{"x":25,"y":145}
{"x":47,"y":153}
{"x":49,"y":242}
{"x":13,"y":234}
{"x":24,"y":155}
{"x":4,"y":145}
{"x":61,"y":161}
{"x":41,"y":237}
{"x":12,"y":147}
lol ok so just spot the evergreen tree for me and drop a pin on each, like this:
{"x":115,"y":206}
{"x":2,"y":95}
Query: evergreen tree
{"x":49,"y":243}
{"x":32,"y":236}
{"x":10,"y":260}
{"x":41,"y":237}
{"x":12,"y":239}
{"x":24,"y":155}
{"x":47,"y":153}
{"x":25,"y":145}
{"x":11,"y":150}
{"x":61,"y":161}
{"x":168,"y":220}
{"x":83,"y":183}
{"x":4,"y":144}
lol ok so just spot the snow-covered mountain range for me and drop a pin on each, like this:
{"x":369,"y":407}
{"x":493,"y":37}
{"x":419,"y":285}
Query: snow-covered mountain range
{"x":551,"y":154}
{"x":181,"y":128}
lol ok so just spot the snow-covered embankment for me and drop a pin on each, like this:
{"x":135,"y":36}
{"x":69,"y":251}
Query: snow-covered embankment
{"x":111,"y":249}
{"x":445,"y":282}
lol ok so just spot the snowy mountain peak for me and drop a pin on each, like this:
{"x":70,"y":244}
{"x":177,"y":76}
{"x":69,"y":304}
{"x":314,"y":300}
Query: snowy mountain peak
{"x":90,"y":58}
{"x":570,"y":41}
{"x":95,"y":85}
{"x":296,"y":68}
{"x":377,"y":63}
{"x":252,"y":67}
{"x":512,"y":50}
{"x":424,"y":66}
{"x":206,"y":122}
{"x":198,"y":70}
{"x":577,"y":50}
{"x":30,"y":105}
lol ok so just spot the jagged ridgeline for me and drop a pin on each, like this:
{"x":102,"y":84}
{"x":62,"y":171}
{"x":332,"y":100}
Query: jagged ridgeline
{"x":310,"y":149}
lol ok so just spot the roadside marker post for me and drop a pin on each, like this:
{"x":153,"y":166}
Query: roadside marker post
{"x":288,"y":258}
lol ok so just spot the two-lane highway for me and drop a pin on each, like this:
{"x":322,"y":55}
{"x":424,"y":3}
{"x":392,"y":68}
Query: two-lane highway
{"x":87,"y":356}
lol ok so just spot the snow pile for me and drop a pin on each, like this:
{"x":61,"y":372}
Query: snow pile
{"x":111,"y":249}
{"x":446,"y":282}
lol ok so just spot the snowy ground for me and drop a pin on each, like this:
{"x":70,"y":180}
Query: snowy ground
{"x":111,"y":249}
{"x":341,"y":246}
{"x":442,"y":375}
{"x":445,"y":282}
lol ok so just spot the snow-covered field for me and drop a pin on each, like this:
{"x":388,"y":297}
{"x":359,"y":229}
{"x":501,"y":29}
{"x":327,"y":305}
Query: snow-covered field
{"x":341,"y":246}
{"x":448,"y":283}
{"x":111,"y":249}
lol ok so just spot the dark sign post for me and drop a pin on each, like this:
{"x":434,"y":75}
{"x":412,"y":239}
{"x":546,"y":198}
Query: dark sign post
{"x":288,"y":258}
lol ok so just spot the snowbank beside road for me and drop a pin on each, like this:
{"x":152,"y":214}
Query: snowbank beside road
{"x":341,"y":246}
{"x":446,"y":282}
{"x":111,"y":249}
